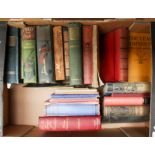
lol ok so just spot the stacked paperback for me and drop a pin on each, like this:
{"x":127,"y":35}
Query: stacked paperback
{"x":72,"y":110}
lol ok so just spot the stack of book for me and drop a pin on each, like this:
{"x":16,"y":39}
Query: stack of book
{"x":72,"y":110}
{"x":126,"y":102}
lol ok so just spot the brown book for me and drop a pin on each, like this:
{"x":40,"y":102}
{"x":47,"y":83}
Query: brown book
{"x":58,"y":53}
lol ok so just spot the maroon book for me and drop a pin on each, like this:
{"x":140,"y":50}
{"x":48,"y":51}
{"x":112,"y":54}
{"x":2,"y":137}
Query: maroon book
{"x":87,"y":54}
{"x":131,"y":95}
{"x":69,"y":123}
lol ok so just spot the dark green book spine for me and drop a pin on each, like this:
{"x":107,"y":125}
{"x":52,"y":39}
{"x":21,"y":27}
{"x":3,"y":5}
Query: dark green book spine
{"x":12,"y":56}
{"x":28,"y":55}
{"x":3,"y":32}
{"x":75,"y":54}
{"x":126,"y":113}
{"x":45,"y":54}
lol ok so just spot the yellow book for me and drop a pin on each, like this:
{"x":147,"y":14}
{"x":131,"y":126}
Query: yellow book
{"x":140,"y":57}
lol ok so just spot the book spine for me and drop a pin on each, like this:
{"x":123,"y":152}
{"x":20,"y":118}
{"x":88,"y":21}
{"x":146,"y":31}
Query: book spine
{"x":140,"y":57}
{"x":75,"y":54}
{"x":126,"y":113}
{"x":123,"y":101}
{"x":76,"y":123}
{"x":29,"y":58}
{"x":74,"y":95}
{"x":127,"y":87}
{"x":12,"y":56}
{"x":66,"y":53}
{"x":87,"y":32}
{"x":146,"y":95}
{"x":45,"y":55}
{"x":72,"y":109}
{"x":58,"y":53}
{"x":121,"y":54}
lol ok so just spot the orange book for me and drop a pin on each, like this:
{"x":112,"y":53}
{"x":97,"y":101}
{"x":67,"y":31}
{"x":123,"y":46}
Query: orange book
{"x":139,"y":58}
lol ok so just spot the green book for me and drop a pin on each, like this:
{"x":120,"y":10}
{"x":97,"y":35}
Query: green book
{"x":75,"y":54}
{"x":28,"y":55}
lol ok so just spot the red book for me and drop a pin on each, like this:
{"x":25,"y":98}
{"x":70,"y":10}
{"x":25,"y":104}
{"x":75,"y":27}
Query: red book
{"x":131,"y":95}
{"x":87,"y":54}
{"x":123,"y":101}
{"x":114,"y":56}
{"x":69,"y":123}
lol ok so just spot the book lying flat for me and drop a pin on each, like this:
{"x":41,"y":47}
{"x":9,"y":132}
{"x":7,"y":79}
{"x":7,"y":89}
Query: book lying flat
{"x":74,"y":95}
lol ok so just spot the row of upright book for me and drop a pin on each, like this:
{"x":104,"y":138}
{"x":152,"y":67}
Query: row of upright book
{"x":52,"y":54}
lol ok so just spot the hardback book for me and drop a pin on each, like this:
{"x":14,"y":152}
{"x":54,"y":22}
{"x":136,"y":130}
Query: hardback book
{"x":66,"y":54}
{"x":69,"y":123}
{"x":28,"y":54}
{"x":75,"y":54}
{"x":72,"y":109}
{"x":124,"y":101}
{"x":145,"y":95}
{"x":87,"y":40}
{"x":114,"y":56}
{"x":12,"y":56}
{"x":126,"y":87}
{"x":126,"y":113}
{"x":140,"y":57}
{"x":58,"y":53}
{"x":95,"y":82}
{"x":74,"y":96}
{"x":45,"y":54}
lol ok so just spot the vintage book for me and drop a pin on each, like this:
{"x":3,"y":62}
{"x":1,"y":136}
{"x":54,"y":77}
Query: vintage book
{"x":72,"y":109}
{"x":28,"y":55}
{"x":75,"y":54}
{"x":114,"y":56}
{"x":126,"y":113}
{"x":58,"y":53}
{"x":137,"y":87}
{"x":124,"y":101}
{"x":87,"y":40}
{"x":45,"y":54}
{"x":66,"y":53}
{"x":12,"y":56}
{"x":72,"y":123}
{"x":140,"y":57}
{"x":95,"y":45}
{"x":146,"y":95}
{"x":3,"y":34}
{"x":74,"y":96}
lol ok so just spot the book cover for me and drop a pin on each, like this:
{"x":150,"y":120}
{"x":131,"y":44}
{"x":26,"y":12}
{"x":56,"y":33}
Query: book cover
{"x":135,"y":87}
{"x":28,"y":55}
{"x":75,"y":54}
{"x":12,"y":56}
{"x":72,"y":109}
{"x":124,"y":101}
{"x":58,"y":53}
{"x":73,"y":123}
{"x":87,"y":40}
{"x":66,"y":53}
{"x":140,"y":57}
{"x":126,"y":113}
{"x":45,"y":54}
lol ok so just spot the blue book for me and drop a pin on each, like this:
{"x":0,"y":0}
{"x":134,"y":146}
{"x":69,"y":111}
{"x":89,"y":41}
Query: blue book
{"x":72,"y":109}
{"x":74,"y":95}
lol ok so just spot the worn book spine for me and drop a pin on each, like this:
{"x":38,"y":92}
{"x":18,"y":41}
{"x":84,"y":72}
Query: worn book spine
{"x":66,"y":54}
{"x":137,"y":87}
{"x":72,"y":109}
{"x":126,"y":113}
{"x":146,"y":95}
{"x":124,"y":101}
{"x":75,"y":54}
{"x":87,"y":33}
{"x":73,"y":123}
{"x":140,"y":57}
{"x":12,"y":56}
{"x":58,"y":53}
{"x":3,"y":34}
{"x":29,"y":54}
{"x":121,"y":54}
{"x":45,"y":54}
